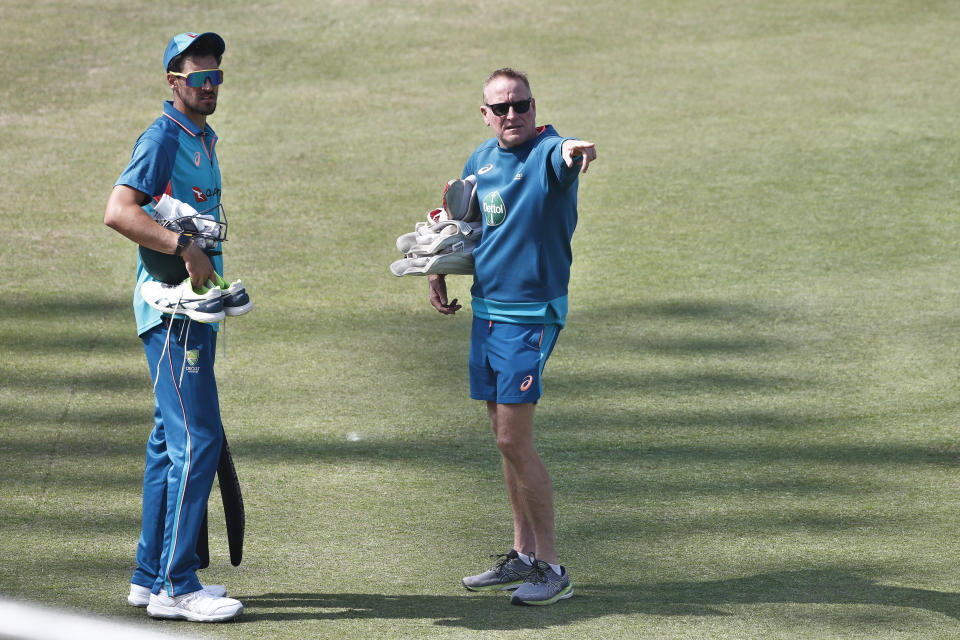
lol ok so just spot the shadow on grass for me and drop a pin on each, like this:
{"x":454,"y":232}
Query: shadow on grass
{"x":67,"y":322}
{"x":445,"y":453}
{"x":34,"y":308}
{"x":135,"y":417}
{"x":625,"y":327}
{"x":813,"y":586}
{"x":588,"y":464}
{"x":673,"y":383}
{"x":45,"y":341}
{"x":679,"y":309}
{"x":89,"y":382}
{"x":485,"y":612}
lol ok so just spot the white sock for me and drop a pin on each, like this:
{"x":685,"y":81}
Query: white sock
{"x":526,"y":559}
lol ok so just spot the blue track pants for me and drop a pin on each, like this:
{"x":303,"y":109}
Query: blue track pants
{"x":182,"y":454}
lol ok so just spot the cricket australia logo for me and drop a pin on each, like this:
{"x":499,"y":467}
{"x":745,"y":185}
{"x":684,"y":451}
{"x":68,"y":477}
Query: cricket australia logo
{"x":494,"y":210}
{"x":193,"y":357}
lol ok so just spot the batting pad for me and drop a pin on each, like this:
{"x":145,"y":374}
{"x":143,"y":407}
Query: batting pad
{"x":430,"y":239}
{"x":455,"y":263}
{"x":444,"y":243}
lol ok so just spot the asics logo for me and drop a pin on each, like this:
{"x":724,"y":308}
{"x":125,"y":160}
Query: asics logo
{"x":525,"y":383}
{"x":482,"y":170}
{"x":196,"y":159}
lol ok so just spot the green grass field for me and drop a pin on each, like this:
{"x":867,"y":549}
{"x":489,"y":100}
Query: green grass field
{"x":750,"y":418}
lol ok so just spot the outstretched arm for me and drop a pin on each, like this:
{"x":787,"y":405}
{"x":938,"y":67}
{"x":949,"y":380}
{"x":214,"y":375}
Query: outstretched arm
{"x":578,"y":148}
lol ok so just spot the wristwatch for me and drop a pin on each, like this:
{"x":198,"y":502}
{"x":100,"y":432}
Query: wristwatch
{"x":183,"y":241}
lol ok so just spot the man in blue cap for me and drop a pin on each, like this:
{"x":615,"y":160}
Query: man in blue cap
{"x":175,"y":156}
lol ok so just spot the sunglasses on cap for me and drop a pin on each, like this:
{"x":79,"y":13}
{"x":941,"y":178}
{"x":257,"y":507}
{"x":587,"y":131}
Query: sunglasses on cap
{"x":503,"y":108}
{"x":197,"y":79}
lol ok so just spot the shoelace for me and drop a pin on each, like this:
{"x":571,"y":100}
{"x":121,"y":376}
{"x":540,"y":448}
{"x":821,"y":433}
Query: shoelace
{"x":538,"y":572}
{"x":223,"y":336}
{"x":184,"y":337}
{"x":166,"y":342}
{"x":503,"y":560}
{"x":183,"y":365}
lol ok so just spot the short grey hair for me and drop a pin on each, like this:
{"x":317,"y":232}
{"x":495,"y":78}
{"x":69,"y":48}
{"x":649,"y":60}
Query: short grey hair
{"x":506,"y":72}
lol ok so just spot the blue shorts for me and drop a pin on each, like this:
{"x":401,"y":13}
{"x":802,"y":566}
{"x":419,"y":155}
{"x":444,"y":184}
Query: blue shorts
{"x":506,"y":360}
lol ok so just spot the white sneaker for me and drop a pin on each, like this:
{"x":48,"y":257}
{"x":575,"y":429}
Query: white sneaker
{"x":233,"y":295}
{"x":140,"y":596}
{"x":202,"y":306}
{"x":198,"y":606}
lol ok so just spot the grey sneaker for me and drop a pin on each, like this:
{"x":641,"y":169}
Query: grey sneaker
{"x":543,"y":586}
{"x":508,"y":573}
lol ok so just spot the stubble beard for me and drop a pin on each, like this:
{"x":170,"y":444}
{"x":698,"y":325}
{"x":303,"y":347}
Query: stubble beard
{"x":197,"y":104}
{"x":203,"y":108}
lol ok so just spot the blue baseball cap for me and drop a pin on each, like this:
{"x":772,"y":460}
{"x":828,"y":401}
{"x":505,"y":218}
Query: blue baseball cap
{"x":183,"y":41}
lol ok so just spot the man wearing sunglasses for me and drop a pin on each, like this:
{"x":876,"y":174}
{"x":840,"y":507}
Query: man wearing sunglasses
{"x":527,"y":179}
{"x":175,"y":156}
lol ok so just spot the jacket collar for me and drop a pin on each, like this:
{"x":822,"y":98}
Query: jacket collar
{"x":181,"y":119}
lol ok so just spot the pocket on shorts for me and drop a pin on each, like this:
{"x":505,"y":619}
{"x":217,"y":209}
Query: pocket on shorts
{"x":533,"y":337}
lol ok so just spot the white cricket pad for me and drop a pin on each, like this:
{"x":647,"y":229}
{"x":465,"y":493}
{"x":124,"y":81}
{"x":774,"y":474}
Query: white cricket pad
{"x":433,"y":239}
{"x":455,"y":263}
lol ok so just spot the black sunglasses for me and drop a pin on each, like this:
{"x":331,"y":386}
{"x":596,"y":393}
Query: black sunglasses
{"x":503,"y":108}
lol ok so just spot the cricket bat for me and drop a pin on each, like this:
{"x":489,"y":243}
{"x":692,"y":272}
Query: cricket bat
{"x":232,"y":503}
{"x":203,"y":544}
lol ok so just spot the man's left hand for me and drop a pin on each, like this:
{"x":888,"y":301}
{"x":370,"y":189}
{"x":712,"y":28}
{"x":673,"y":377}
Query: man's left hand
{"x":578,"y":148}
{"x":438,"y":295}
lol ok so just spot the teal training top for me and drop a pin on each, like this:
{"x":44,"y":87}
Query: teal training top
{"x":175,"y":157}
{"x":528,"y":198}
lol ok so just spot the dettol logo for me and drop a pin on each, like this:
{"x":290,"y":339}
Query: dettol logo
{"x":494,"y":211}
